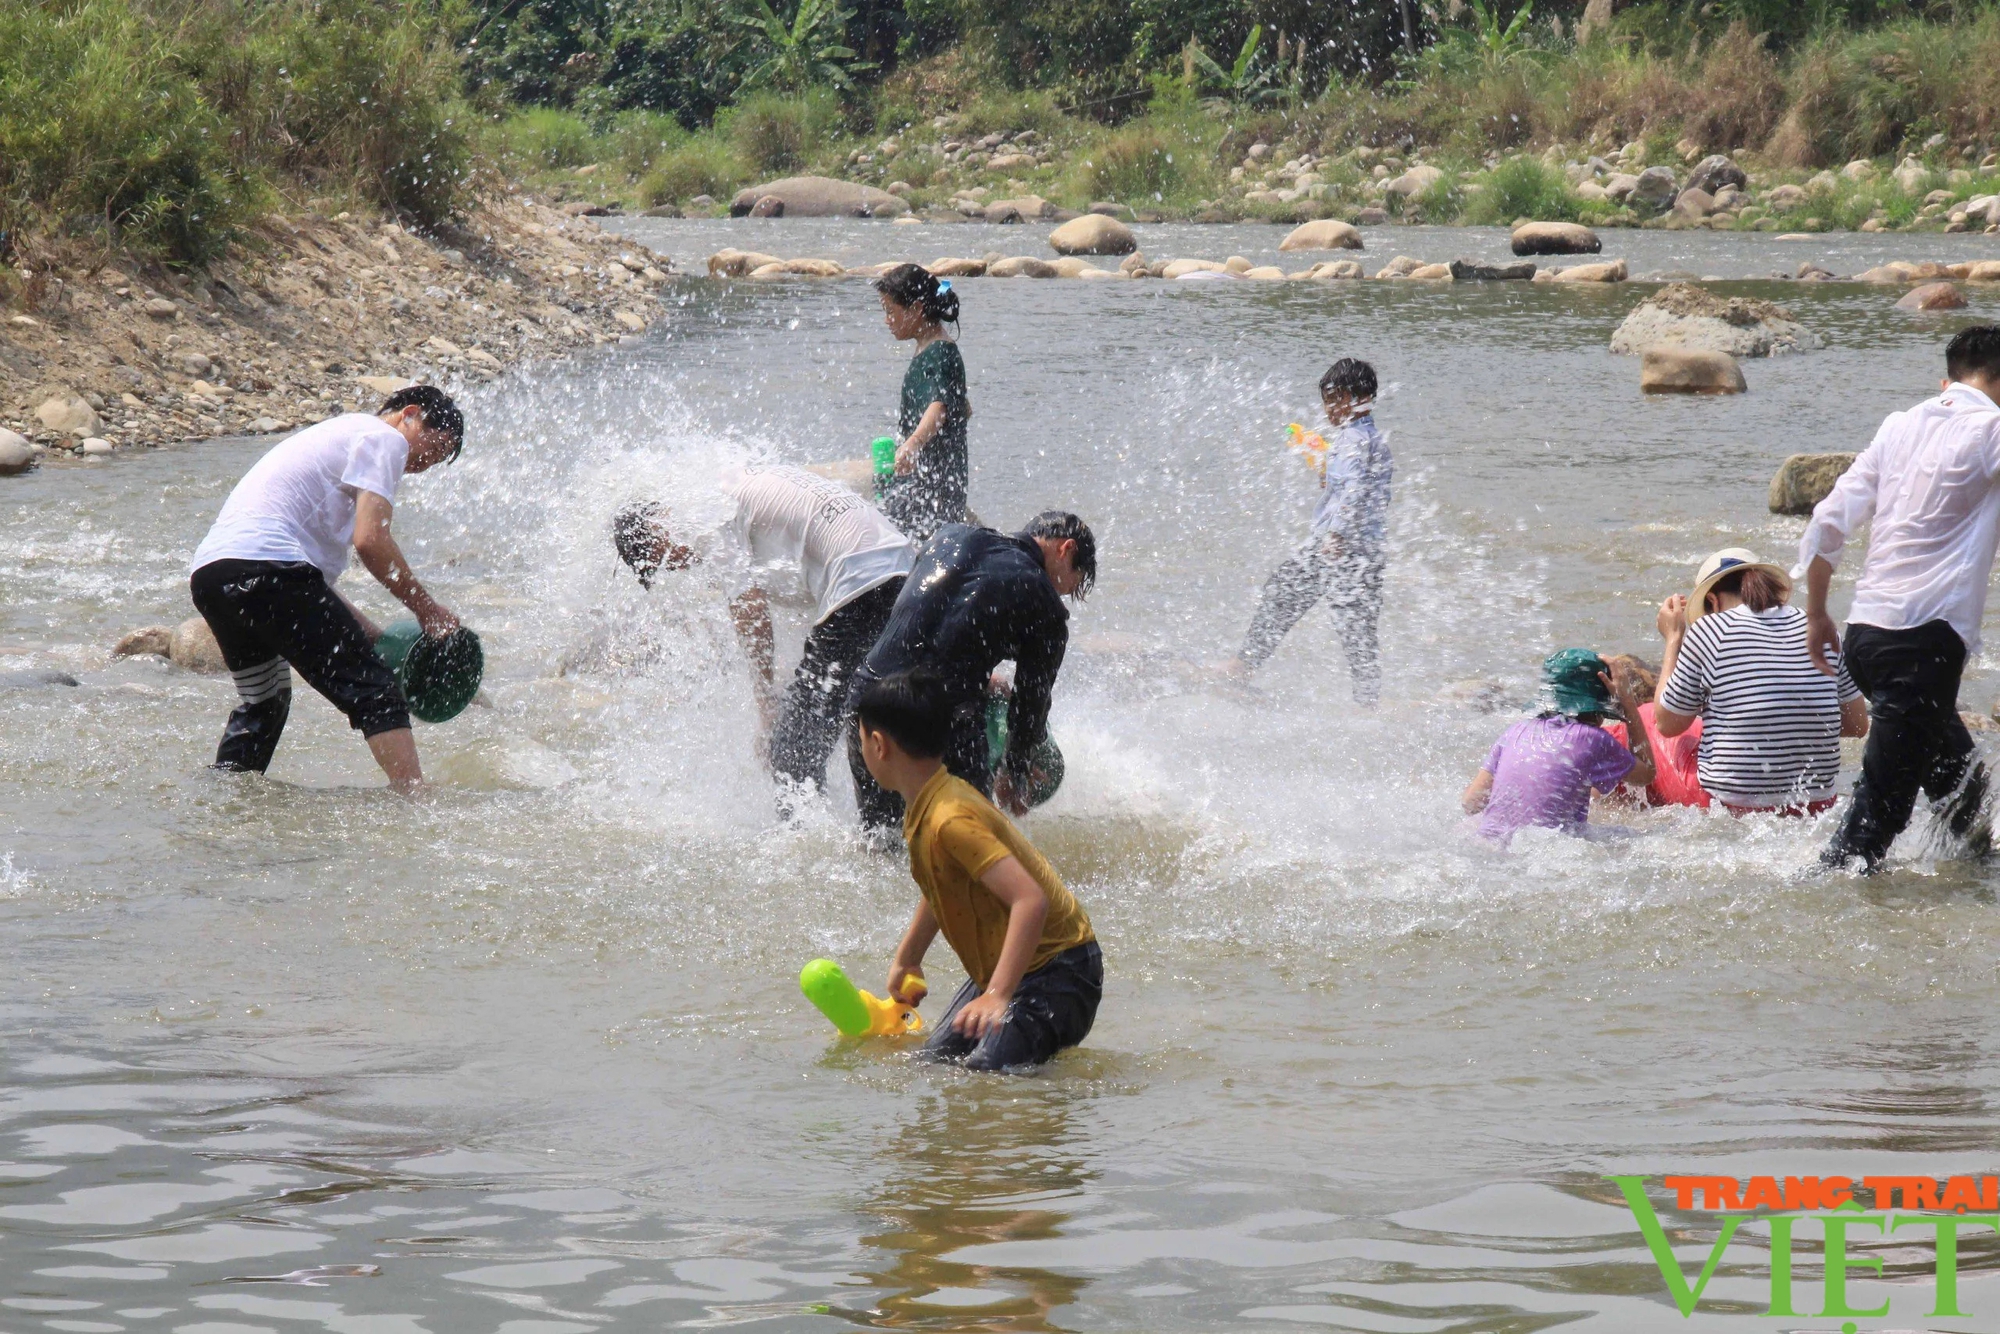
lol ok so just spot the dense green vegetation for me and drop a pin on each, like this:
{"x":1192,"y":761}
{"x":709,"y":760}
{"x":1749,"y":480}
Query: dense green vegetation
{"x":165,"y":125}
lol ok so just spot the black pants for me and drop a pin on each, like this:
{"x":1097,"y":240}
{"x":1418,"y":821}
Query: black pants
{"x":816,"y":701}
{"x":1351,"y":586}
{"x":966,"y":755}
{"x":1916,"y":740}
{"x":1053,"y":1008}
{"x":266,"y":614}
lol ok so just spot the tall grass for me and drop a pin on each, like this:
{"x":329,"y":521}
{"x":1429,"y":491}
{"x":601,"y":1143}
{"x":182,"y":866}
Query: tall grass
{"x":775,"y":133}
{"x":167,"y":122}
{"x":1522,"y":188}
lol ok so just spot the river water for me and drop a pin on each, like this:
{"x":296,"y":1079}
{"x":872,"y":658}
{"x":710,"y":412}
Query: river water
{"x":530,"y":1057}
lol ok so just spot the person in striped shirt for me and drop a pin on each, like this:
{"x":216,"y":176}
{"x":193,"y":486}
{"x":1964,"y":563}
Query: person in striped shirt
{"x":1736,"y":658}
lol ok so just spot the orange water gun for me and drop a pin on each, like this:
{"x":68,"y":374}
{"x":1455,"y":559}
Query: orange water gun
{"x":1310,"y":445}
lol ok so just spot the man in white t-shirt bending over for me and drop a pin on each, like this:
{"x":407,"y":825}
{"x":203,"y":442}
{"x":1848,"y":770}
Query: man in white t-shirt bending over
{"x":264,"y":577}
{"x":853,"y":561}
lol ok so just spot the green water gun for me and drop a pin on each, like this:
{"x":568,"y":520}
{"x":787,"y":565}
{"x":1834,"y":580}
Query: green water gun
{"x":856,"y":1013}
{"x":882,"y":453}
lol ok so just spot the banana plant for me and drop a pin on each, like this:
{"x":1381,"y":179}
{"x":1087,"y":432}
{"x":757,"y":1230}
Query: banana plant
{"x":1498,"y":46}
{"x":1246,"y":80}
{"x":802,"y":52}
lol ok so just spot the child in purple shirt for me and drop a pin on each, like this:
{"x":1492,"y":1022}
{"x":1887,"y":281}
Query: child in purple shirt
{"x":1543,"y":769}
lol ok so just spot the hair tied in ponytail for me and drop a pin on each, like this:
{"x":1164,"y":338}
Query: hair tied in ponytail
{"x":914,"y":285}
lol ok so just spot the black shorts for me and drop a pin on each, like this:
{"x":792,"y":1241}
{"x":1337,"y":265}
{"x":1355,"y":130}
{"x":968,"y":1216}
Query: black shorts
{"x":1053,"y":1008}
{"x":266,"y":614}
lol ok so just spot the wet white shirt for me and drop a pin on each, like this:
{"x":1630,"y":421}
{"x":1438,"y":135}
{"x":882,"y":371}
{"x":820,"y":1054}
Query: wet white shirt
{"x":297,"y":503}
{"x":842,"y":545}
{"x":1354,"y":502}
{"x":1930,"y":480}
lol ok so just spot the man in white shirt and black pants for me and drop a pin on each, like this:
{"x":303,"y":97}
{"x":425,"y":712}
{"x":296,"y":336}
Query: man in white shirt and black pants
{"x":264,"y":577}
{"x":1930,"y":481}
{"x":852,"y":561}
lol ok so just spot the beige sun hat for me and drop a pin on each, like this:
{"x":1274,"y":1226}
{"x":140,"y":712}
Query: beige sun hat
{"x":1729,"y":560}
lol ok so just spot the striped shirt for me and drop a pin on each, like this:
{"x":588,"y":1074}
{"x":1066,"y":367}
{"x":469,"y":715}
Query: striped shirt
{"x":1770,"y":720}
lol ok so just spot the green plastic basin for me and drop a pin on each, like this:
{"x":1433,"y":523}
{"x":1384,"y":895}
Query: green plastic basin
{"x":438,"y":677}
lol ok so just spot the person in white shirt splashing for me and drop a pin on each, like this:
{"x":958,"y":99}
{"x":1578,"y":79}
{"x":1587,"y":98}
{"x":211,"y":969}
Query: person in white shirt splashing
{"x":853,"y":561}
{"x":1930,"y":481}
{"x":264,"y":577}
{"x":1341,"y":560}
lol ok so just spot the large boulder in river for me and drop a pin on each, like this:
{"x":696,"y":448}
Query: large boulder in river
{"x":153,"y":641}
{"x":732,"y":263}
{"x":1715,"y":171}
{"x":1468,"y":270}
{"x":1326,"y":234}
{"x":820,"y":197}
{"x":1680,"y":370}
{"x":1093,"y":234}
{"x":1803,"y":480}
{"x":1683,"y":315}
{"x":1555,"y":238}
{"x":16,"y":453}
{"x":1932,"y":296}
{"x":193,"y":647}
{"x":1022,"y":266}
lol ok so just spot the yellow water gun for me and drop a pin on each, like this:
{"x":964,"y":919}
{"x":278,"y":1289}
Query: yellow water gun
{"x":1310,"y":445}
{"x":857,"y":1013}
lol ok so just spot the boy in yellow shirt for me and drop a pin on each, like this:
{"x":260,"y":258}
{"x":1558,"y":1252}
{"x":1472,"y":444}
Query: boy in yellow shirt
{"x":1035,"y":973}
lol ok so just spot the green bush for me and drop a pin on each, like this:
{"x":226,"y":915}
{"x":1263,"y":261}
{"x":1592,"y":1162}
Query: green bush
{"x":701,"y":166}
{"x":100,"y":127}
{"x":638,"y":139}
{"x":167,"y":123}
{"x":545,"y":139}
{"x":1147,"y":162}
{"x":774,"y":133}
{"x":1522,"y":188}
{"x":340,"y":93}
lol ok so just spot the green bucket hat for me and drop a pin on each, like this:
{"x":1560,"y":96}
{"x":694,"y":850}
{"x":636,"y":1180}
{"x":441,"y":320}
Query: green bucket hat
{"x":1570,"y":684}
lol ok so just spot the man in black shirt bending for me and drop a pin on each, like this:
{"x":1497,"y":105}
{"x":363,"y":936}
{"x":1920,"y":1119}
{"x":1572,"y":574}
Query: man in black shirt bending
{"x":978,"y":598}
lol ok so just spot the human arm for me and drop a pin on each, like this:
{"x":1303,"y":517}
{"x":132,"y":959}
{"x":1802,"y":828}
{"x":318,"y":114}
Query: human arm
{"x":1849,"y":505}
{"x":1854,"y":717}
{"x":1822,"y":635}
{"x":1038,"y":659}
{"x":1477,"y":793}
{"x":913,"y":443}
{"x":380,"y":555}
{"x":907,"y":968}
{"x":1642,"y":771}
{"x":1672,"y":622}
{"x":750,"y":613}
{"x":1027,"y":907}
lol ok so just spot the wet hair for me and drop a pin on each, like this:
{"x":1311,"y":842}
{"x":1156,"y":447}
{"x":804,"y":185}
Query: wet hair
{"x":1062,"y":526}
{"x":915,"y":285}
{"x":1760,"y":589}
{"x":912,"y":707}
{"x":434,"y":408}
{"x":636,"y":533}
{"x":1975,"y":351}
{"x":1351,"y":377}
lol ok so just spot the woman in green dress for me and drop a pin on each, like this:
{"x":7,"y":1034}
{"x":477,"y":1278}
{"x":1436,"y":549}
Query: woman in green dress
{"x":928,"y":488}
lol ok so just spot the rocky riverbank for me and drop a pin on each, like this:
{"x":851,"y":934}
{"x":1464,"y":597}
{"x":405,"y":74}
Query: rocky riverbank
{"x":306,"y":316}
